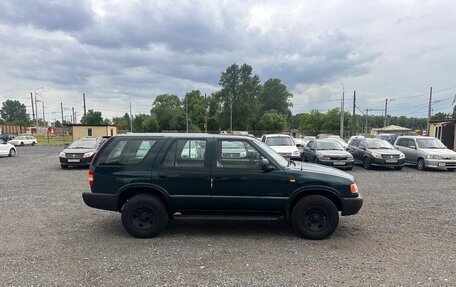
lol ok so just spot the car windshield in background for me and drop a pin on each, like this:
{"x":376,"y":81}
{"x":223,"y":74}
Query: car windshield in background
{"x":430,"y":143}
{"x":84,"y":144}
{"x":379,"y":144}
{"x":328,"y":145}
{"x":272,"y":153}
{"x":20,"y":138}
{"x":279,"y":141}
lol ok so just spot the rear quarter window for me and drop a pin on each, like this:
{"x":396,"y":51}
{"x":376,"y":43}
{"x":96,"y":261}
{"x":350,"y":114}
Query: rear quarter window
{"x":128,"y":151}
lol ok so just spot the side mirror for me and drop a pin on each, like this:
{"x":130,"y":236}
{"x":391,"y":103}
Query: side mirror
{"x":265,"y":164}
{"x":299,"y":145}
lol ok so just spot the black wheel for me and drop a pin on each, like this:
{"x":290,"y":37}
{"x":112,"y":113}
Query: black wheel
{"x":367,"y":163}
{"x":349,"y":168}
{"x":451,"y":169}
{"x":315,"y":160}
{"x":315,"y":217}
{"x":64,"y":166}
{"x":12,"y":153}
{"x":420,"y":164}
{"x":22,"y":144}
{"x":33,"y":143}
{"x":398,"y":167}
{"x":144,"y":216}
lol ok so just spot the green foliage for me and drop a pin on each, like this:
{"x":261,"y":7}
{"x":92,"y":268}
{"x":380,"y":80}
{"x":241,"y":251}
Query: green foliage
{"x":274,"y":95}
{"x":441,"y":116}
{"x":14,"y":111}
{"x":143,"y":123}
{"x":92,"y":118}
{"x":195,"y":104}
{"x":122,"y":123}
{"x":169,"y":112}
{"x":240,"y":89}
{"x":454,"y":112}
{"x":272,"y":121}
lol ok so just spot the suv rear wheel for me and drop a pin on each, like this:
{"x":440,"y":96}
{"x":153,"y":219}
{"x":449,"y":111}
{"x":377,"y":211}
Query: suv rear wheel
{"x":144,"y":216}
{"x":366,"y":163}
{"x":315,"y":217}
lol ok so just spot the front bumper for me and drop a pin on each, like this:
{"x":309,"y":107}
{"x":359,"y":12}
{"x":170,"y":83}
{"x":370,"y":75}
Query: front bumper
{"x":351,"y":205}
{"x":337,"y":163}
{"x":385,"y":162}
{"x":75,"y":161}
{"x":101,"y":200}
{"x":440,"y":163}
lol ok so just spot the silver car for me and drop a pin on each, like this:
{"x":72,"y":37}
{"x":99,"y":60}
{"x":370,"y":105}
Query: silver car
{"x":426,"y":152}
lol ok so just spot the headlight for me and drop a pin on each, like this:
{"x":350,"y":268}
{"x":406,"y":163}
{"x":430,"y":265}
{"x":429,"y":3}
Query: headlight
{"x":326,"y":157}
{"x":433,"y":156}
{"x":62,"y":154}
{"x":88,"y":154}
{"x":376,"y":155}
{"x":296,"y":152}
{"x":402,"y":156}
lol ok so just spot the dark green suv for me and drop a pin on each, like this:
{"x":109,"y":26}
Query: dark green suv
{"x":151,"y":178}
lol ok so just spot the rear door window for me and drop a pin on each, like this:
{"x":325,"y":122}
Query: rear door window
{"x":186,"y":153}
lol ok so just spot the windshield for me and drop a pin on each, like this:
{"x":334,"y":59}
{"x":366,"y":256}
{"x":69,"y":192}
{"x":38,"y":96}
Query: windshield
{"x":379,"y":144}
{"x":327,"y":145}
{"x":84,"y":144}
{"x":279,"y":141}
{"x":430,"y":143}
{"x":20,"y":138}
{"x":232,"y":145}
{"x":272,"y":153}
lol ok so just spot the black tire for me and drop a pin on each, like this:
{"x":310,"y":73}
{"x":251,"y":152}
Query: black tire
{"x":315,"y":217}
{"x":22,"y":144}
{"x":64,"y":166}
{"x":398,"y":167}
{"x":315,"y":160}
{"x":451,"y":169}
{"x":420,"y":165}
{"x":12,"y":152}
{"x":144,"y":216}
{"x":367,"y":163}
{"x":349,"y":168}
{"x":33,"y":143}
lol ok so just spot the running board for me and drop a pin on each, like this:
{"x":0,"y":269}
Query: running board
{"x":226,"y":217}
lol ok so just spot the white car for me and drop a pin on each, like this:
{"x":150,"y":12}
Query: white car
{"x":23,"y":140}
{"x":283,"y":145}
{"x":7,"y":149}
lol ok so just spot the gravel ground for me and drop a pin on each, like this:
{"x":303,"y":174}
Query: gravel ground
{"x":404,"y":235}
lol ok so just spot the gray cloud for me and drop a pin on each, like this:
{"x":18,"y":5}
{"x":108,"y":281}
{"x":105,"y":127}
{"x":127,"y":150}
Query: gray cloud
{"x":45,"y":14}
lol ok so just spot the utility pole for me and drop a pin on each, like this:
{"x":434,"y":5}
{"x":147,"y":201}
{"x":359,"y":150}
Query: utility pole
{"x":63,"y":127}
{"x":186,"y":112}
{"x":131,"y":117}
{"x":84,"y":102}
{"x":205,"y":116}
{"x":72,"y":115}
{"x":429,"y":111}
{"x":342,"y":113}
{"x":353,"y":116}
{"x":33,"y":106}
{"x":365,"y":127}
{"x":44,"y":120}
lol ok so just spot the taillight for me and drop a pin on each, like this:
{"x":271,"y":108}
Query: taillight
{"x":91,"y":177}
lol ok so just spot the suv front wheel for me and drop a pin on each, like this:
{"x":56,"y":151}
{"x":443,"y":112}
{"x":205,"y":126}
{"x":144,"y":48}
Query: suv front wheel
{"x":144,"y":216}
{"x":315,"y":217}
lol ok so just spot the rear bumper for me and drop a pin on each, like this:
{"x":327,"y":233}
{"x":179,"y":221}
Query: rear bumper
{"x":351,"y":205}
{"x":101,"y":200}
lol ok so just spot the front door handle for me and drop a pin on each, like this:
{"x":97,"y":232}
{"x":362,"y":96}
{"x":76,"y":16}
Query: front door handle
{"x":163,"y":176}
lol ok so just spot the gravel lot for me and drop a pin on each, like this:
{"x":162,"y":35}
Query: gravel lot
{"x":405,"y":235}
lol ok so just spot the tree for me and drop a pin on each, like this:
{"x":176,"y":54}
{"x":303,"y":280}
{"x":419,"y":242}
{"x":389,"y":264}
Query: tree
{"x":143,"y":123}
{"x":240,"y":91}
{"x":92,"y":118}
{"x":196,"y":110}
{"x":123,"y":123}
{"x":440,"y":116}
{"x":454,"y":112}
{"x":272,"y":122}
{"x":274,"y":95}
{"x":14,"y":111}
{"x":169,"y":112}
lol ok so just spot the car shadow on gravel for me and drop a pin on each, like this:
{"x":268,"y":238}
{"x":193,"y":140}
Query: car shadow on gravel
{"x":112,"y":227}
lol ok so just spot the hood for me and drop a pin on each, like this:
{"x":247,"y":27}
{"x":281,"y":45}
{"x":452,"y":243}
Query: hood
{"x":321,"y":169}
{"x":334,"y":153}
{"x":79,"y":150}
{"x":284,"y":148}
{"x":386,"y":151}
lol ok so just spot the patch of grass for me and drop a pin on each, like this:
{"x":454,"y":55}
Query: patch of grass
{"x":53,"y":140}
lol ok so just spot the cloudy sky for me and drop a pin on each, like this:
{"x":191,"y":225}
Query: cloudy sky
{"x":382,"y":49}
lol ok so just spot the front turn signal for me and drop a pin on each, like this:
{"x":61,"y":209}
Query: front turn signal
{"x":353,"y":188}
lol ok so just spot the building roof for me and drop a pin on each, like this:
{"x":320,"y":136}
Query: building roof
{"x":393,"y":128}
{"x":81,"y":125}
